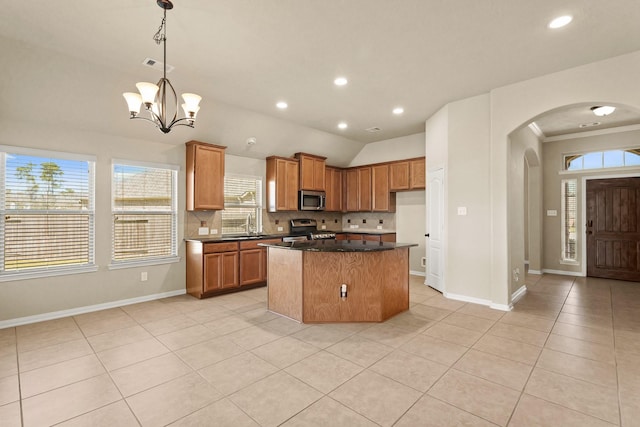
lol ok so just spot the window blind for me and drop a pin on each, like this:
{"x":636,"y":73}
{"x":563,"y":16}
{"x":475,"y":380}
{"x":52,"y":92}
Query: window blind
{"x":242,"y":205}
{"x":144,"y":212}
{"x":48,"y":212}
{"x":569,"y":217}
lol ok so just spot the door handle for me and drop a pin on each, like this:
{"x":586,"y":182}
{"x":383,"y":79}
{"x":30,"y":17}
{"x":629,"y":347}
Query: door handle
{"x":426,"y":235}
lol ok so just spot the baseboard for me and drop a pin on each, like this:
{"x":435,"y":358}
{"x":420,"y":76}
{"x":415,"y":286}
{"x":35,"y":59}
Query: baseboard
{"x":537,"y":272}
{"x":87,"y":309}
{"x":417,"y":273}
{"x":563,"y":273}
{"x":488,"y":303}
{"x":518,"y":294}
{"x":501,"y":307}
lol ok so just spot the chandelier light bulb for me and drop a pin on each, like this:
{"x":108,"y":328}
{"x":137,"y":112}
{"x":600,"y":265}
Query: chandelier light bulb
{"x":602,"y":111}
{"x":147,"y":91}
{"x":134,"y":101}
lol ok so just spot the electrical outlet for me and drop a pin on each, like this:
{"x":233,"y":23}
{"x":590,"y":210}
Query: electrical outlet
{"x":213,"y":231}
{"x":280,"y":228}
{"x":423,"y":262}
{"x":379,"y":227}
{"x":323,"y":227}
{"x":143,"y":276}
{"x":203,"y":231}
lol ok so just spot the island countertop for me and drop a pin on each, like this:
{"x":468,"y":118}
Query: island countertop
{"x":331,"y":245}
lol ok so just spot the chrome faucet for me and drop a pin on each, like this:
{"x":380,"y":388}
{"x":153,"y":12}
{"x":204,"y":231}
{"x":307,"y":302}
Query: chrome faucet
{"x":249,"y":224}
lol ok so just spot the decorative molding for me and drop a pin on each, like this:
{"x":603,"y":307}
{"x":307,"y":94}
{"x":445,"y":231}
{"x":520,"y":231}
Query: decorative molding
{"x":538,"y":272}
{"x":518,"y":294}
{"x":501,"y":307}
{"x":607,"y":131}
{"x":537,"y":131}
{"x":563,"y":273}
{"x":86,"y":309}
{"x":417,"y":273}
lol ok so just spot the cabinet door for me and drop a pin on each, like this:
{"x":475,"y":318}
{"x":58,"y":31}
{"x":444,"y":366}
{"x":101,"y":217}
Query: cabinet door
{"x":351,"y":197}
{"x":205,"y":177}
{"x":318,"y":175}
{"x":252,"y":266}
{"x":307,"y":175}
{"x":399,"y":176}
{"x":220,"y":271}
{"x":291,"y":180}
{"x":418,"y":174}
{"x":380,"y":191}
{"x":333,"y":184}
{"x":341,"y":236}
{"x":364,"y":189}
{"x":354,"y":236}
{"x":371,"y":237}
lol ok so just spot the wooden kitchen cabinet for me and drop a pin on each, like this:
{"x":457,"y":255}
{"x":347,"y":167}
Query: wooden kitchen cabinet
{"x":407,"y":174}
{"x":217,"y":268}
{"x":387,"y":237}
{"x":312,"y":172}
{"x":417,"y":169}
{"x":205,"y":176}
{"x":358,"y":189}
{"x":253,"y":261}
{"x":382,"y":200}
{"x":282,"y":184}
{"x":333,"y":182}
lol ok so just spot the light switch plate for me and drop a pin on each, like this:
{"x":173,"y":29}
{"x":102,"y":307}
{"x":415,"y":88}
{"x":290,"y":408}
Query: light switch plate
{"x":280,"y":228}
{"x":203,"y":231}
{"x":213,"y":231}
{"x":323,"y":227}
{"x":552,"y":212}
{"x":379,"y":227}
{"x":462,"y":210}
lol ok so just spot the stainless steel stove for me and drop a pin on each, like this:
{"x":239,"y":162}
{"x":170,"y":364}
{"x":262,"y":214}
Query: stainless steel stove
{"x":307,"y":229}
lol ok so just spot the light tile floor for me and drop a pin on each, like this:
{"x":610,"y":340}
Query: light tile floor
{"x":567,"y":355}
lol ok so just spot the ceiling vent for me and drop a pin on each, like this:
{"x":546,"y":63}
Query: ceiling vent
{"x":156,"y":65}
{"x":373,"y":129}
{"x":588,"y":125}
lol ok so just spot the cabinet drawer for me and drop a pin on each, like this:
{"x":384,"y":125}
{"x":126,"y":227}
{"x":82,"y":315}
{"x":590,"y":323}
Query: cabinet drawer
{"x":253,"y":244}
{"x":210,"y":248}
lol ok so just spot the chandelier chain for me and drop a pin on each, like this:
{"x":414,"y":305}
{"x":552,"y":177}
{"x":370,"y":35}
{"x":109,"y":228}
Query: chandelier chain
{"x":160,"y":36}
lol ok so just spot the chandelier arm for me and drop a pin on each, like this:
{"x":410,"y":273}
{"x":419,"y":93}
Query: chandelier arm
{"x":190,"y":122}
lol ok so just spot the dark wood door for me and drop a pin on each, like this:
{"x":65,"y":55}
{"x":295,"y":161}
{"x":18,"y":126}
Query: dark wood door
{"x":613,"y":228}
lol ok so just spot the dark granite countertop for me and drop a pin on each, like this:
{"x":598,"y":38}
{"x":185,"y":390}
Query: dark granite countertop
{"x":339,"y":246}
{"x":356,"y":231}
{"x":239,"y":238}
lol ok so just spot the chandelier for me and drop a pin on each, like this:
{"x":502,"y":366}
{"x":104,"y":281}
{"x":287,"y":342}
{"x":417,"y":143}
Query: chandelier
{"x":154,"y":96}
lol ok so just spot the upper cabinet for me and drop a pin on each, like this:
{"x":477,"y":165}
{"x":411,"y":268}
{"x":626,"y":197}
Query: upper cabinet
{"x":282,"y":184}
{"x":333,"y":185}
{"x":312,"y":171}
{"x":382,"y":200}
{"x":417,"y":171}
{"x":205,"y":176}
{"x":407,"y":174}
{"x":358,"y":189}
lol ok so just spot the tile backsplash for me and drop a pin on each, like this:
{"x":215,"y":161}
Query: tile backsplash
{"x":334,"y":221}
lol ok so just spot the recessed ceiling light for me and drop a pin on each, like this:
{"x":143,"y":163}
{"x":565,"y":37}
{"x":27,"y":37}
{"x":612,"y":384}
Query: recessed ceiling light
{"x":342,"y":125}
{"x":398,"y":110}
{"x":340,"y":81}
{"x":282,"y":105}
{"x":560,"y":21}
{"x":602,"y":111}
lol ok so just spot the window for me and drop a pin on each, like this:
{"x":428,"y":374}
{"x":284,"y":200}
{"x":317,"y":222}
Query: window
{"x":569,"y":217}
{"x":603,"y":159}
{"x":47,"y":221}
{"x":242,"y":205}
{"x":145,"y":213}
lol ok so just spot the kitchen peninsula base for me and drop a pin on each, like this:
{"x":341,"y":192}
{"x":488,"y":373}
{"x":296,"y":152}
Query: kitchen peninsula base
{"x":305,"y":284}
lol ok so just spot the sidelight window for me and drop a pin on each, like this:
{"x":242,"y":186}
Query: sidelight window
{"x":569,"y":219}
{"x":242,"y":204}
{"x":47,"y":218}
{"x":144,"y":213}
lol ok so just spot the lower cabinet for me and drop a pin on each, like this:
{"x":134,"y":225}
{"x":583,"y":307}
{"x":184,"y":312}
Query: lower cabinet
{"x":215,"y":268}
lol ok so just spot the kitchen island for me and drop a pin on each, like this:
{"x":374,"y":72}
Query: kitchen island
{"x":306,"y":280}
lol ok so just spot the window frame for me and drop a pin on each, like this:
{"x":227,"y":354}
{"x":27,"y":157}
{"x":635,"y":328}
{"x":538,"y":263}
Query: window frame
{"x":56,"y":270}
{"x":258,"y":207}
{"x":568,"y":158}
{"x":173,"y":257}
{"x":564,"y":227}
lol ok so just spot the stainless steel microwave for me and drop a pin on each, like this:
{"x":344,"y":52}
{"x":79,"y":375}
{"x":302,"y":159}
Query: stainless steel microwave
{"x":311,"y":200}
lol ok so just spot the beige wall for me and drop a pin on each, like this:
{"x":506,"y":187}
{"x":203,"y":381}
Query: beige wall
{"x":553,"y":154}
{"x":21,"y":298}
{"x":524,"y":157}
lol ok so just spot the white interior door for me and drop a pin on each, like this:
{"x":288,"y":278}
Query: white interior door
{"x":435,"y":229}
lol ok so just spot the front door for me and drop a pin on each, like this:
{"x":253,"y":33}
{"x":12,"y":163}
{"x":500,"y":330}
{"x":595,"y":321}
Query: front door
{"x":435,"y":230}
{"x":613,"y":228}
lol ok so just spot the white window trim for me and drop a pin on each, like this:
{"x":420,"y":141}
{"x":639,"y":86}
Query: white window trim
{"x":117,"y":265}
{"x":55,"y":270}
